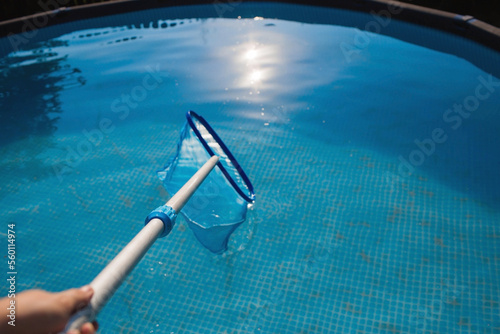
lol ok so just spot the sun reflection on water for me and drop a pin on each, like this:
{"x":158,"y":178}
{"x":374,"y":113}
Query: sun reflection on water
{"x":259,"y":62}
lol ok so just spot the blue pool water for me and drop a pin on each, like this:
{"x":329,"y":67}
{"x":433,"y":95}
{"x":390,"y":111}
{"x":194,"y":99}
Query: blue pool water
{"x":376,"y":170}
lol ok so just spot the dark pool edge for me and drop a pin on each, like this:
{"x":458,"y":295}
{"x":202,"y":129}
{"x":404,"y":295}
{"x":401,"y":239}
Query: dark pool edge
{"x":465,"y":26}
{"x":462,"y":25}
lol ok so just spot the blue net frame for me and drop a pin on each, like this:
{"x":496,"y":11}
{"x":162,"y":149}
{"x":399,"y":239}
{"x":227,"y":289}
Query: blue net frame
{"x":220,"y":204}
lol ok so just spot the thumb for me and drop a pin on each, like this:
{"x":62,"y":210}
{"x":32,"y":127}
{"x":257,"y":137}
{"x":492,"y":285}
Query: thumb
{"x":76,"y":299}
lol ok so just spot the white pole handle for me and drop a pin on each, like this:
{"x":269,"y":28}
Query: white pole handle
{"x":113,"y":275}
{"x":182,"y":196}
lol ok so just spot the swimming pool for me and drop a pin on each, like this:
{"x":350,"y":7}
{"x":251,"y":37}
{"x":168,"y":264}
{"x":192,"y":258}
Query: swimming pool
{"x":375,"y":163}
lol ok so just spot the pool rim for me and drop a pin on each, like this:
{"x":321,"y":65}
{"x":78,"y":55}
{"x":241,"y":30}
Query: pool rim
{"x":465,"y":26}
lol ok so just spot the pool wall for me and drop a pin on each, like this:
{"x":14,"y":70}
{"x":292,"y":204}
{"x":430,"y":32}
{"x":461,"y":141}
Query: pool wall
{"x":378,"y":19}
{"x":462,"y":25}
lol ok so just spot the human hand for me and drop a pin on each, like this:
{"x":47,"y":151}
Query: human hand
{"x":42,"y":312}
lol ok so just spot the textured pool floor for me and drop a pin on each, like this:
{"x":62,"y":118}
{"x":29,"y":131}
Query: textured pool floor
{"x":339,"y":240}
{"x":347,"y":253}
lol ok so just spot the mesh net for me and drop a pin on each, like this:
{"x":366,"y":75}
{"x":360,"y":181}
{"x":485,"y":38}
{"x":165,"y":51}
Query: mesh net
{"x":220,"y":204}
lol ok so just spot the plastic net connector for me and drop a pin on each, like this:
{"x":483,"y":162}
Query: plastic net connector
{"x":167,"y":215}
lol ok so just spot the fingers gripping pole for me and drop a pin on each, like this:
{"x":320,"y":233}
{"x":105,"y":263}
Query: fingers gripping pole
{"x":158,"y":224}
{"x":111,"y":277}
